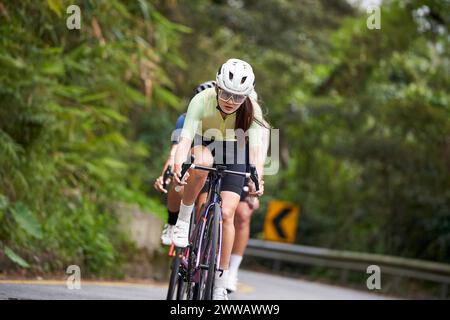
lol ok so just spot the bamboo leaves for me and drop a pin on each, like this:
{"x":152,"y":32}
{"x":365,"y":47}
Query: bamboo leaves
{"x":26,"y":220}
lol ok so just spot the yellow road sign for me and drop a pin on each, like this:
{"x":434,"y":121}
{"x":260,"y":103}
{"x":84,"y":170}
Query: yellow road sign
{"x":281,"y":221}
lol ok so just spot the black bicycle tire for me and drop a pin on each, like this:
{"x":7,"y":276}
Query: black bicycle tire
{"x":199,"y":289}
{"x":193,"y":288}
{"x":214,"y":237}
{"x":181,"y":288}
{"x":173,"y":282}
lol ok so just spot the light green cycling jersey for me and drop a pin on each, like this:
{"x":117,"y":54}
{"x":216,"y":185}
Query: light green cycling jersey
{"x":204,"y":119}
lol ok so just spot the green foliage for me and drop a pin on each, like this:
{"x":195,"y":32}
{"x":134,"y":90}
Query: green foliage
{"x":378,"y":176}
{"x":86,"y":116}
{"x":70,"y":148}
{"x":26,"y":220}
{"x":15,"y":258}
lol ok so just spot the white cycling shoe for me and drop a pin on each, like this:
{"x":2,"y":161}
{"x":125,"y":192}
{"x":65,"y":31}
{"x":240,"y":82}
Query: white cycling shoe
{"x":232,"y":282}
{"x":167,"y":234}
{"x":220,"y":294}
{"x":180,"y":236}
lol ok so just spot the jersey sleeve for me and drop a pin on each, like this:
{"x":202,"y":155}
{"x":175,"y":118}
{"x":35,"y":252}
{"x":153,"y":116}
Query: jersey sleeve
{"x":178,"y":127}
{"x":194,"y":116}
{"x":266,"y":142}
{"x":256,"y":129}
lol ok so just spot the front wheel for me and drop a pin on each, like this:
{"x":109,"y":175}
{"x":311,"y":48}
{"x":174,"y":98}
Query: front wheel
{"x":210,"y":253}
{"x":174,"y":277}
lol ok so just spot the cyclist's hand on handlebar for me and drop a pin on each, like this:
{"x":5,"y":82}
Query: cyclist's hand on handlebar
{"x":253,"y":202}
{"x":177,"y":176}
{"x":159,"y":184}
{"x":252,"y":189}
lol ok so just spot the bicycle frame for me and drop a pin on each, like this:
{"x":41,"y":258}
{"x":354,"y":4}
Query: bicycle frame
{"x":213,"y":198}
{"x":190,"y":270}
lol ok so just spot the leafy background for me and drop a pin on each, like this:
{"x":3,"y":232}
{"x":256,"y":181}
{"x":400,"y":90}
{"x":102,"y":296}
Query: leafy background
{"x":86,"y":116}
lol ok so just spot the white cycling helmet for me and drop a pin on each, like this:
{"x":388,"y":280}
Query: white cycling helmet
{"x":236,"y":76}
{"x":253,"y":95}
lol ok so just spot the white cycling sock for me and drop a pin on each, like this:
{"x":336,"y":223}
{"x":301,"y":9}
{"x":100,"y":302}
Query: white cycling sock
{"x":220,"y":281}
{"x":185,"y":212}
{"x":235,"y":262}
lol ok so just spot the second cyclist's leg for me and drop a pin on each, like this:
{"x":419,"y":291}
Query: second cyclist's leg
{"x":230,"y":201}
{"x":194,"y":184}
{"x":242,"y":234}
{"x":201,"y":200}
{"x":173,"y":208}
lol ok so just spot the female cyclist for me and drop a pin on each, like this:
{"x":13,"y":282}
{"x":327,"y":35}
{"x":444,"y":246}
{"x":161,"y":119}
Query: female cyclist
{"x":173,"y":197}
{"x":218,"y":117}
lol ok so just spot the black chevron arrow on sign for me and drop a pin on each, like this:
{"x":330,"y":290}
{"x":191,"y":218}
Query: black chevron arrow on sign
{"x":277,"y":221}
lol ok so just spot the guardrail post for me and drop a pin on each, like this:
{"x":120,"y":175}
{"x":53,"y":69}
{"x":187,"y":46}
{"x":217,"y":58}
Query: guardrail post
{"x":276,"y":265}
{"x":444,"y":290}
{"x":397,"y":283}
{"x":344,"y":276}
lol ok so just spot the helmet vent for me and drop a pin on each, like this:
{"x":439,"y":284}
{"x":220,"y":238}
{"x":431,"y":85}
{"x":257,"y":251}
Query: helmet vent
{"x":231,"y":76}
{"x":243,"y":80}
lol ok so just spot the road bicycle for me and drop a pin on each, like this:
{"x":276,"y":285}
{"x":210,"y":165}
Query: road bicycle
{"x":193,"y":276}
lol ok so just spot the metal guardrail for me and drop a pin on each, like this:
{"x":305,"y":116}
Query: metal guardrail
{"x":348,"y":260}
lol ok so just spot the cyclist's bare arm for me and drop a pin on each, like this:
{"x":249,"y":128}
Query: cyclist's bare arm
{"x":256,"y":157}
{"x":171,"y":159}
{"x":184,"y":146}
{"x":169,"y":162}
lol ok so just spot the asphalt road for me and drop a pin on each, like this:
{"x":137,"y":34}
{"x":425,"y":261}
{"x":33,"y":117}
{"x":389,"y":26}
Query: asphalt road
{"x":252,"y":286}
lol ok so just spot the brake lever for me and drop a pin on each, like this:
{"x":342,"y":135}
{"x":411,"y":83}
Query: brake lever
{"x":254,"y":176}
{"x":166,"y":175}
{"x":184,"y":168}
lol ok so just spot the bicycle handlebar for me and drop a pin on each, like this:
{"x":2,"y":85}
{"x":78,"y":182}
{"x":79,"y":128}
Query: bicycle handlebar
{"x":253,"y":174}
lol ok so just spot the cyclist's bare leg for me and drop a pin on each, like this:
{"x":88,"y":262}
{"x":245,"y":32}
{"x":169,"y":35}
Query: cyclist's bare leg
{"x":230,"y":201}
{"x":173,"y":199}
{"x":173,"y":208}
{"x":197,"y":178}
{"x":201,"y":199}
{"x":194,"y":183}
{"x":242,"y":228}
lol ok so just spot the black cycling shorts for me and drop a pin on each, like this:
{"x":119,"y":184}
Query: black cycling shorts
{"x":244,"y":194}
{"x":231,"y":183}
